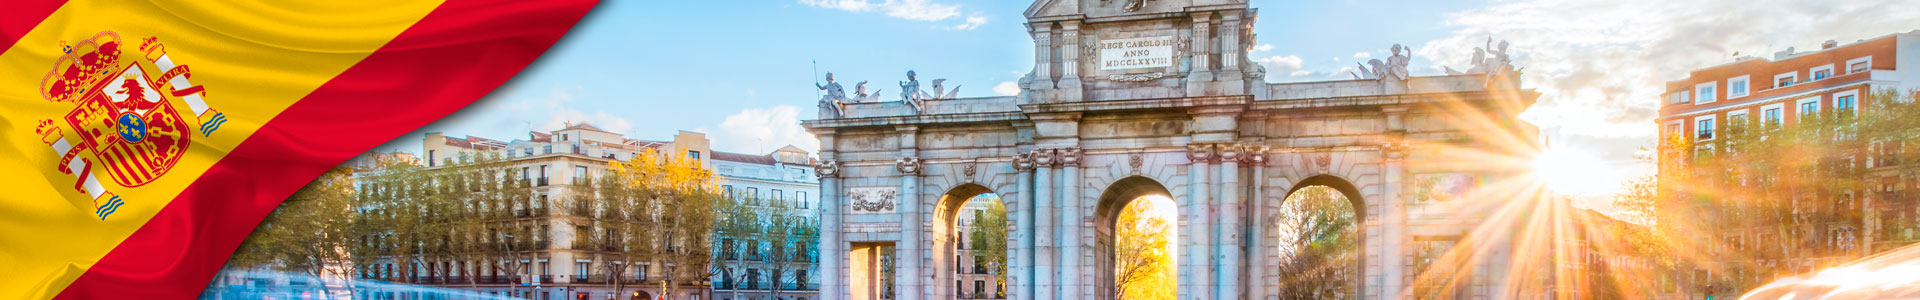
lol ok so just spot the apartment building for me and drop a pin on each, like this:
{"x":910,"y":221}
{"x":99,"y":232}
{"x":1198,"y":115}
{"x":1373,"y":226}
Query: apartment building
{"x":1750,"y":93}
{"x":557,"y":264}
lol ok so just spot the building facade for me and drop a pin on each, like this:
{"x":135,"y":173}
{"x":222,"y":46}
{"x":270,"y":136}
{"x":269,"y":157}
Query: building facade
{"x":1753,"y":97}
{"x":779,"y":262}
{"x":973,"y":276}
{"x":557,"y":261}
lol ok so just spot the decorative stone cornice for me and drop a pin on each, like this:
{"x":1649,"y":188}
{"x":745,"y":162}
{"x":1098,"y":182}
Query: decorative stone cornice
{"x":827,"y":169}
{"x":1200,"y":153}
{"x":907,"y":165}
{"x":1070,"y":157}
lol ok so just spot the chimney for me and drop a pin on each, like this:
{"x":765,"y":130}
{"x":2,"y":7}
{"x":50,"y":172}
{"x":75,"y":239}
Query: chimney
{"x":1829,"y":44}
{"x":1783,"y":54}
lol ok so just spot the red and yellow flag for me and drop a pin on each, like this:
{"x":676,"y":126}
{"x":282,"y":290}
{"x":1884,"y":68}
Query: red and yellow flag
{"x":143,"y":140}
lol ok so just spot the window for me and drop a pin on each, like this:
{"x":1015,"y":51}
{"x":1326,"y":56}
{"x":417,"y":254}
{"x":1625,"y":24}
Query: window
{"x":802,"y":199}
{"x":1703,"y":128}
{"x":727,"y":190}
{"x":1737,"y":120}
{"x":1808,"y":107}
{"x":779,"y":196}
{"x":1704,"y":93}
{"x":430,"y":158}
{"x":1680,"y":97}
{"x":1672,"y":129}
{"x":543,"y":175}
{"x":1858,"y":65}
{"x":1737,"y":87}
{"x":1784,"y":80}
{"x":694,"y":155}
{"x":1843,"y":103}
{"x":580,"y":175}
{"x":1821,"y":72}
{"x":800,"y":279}
{"x":753,"y":196}
{"x":1771,"y":115}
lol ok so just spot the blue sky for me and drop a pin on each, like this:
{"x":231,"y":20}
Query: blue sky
{"x":741,"y":71}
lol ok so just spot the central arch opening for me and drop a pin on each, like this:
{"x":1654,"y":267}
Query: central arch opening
{"x":970,"y":242}
{"x":1137,"y":228}
{"x":1318,"y":236}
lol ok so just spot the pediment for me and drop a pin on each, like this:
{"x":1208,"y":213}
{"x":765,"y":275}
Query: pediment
{"x":1048,"y":8}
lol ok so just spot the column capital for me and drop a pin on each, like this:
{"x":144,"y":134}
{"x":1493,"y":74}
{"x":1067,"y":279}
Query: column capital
{"x":1394,"y":152}
{"x":1069,"y":157}
{"x":827,"y":169}
{"x":1023,"y":162}
{"x":907,"y":165}
{"x":1044,"y":158}
{"x":1200,"y":153}
{"x":1229,"y":152}
{"x":1256,"y":155}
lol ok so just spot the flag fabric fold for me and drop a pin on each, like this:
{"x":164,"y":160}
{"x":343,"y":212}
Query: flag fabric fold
{"x":145,"y":140}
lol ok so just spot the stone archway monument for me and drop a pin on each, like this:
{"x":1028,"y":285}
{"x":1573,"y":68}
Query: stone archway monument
{"x":1142,"y":97}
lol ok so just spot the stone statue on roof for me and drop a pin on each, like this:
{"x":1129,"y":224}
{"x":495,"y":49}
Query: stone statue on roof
{"x":1397,"y":64}
{"x":860,"y":93}
{"x":834,"y":92}
{"x":910,"y":89}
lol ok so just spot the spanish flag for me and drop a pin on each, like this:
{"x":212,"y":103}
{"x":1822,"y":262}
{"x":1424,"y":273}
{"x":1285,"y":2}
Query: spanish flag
{"x":143,"y":140}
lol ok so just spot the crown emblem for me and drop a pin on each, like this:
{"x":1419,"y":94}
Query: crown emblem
{"x":125,"y":118}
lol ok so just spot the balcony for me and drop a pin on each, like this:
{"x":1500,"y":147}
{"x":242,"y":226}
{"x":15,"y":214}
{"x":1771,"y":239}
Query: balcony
{"x":546,"y":279}
{"x":580,"y":278}
{"x":540,"y":182}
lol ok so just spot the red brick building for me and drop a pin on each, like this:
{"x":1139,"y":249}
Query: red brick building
{"x":1837,"y":77}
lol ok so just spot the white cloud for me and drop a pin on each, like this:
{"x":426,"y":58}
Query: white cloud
{"x":1262,"y":47}
{"x":760,"y":130}
{"x":1282,"y":64}
{"x":846,"y":5}
{"x":1006,"y":88}
{"x":972,"y":22}
{"x":1600,"y":65}
{"x":1362,"y":55}
{"x":918,"y":10}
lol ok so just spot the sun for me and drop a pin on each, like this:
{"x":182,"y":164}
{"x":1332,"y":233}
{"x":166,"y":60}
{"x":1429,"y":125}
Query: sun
{"x":1573,"y":171}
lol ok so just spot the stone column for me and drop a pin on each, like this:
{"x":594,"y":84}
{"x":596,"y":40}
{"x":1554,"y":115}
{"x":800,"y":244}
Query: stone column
{"x":1070,"y":60}
{"x":1020,"y":275}
{"x":1075,"y":273}
{"x":1042,"y":55}
{"x":1256,"y":242}
{"x":911,"y":273}
{"x":1045,"y":267}
{"x":1393,"y":258}
{"x":1194,"y":267}
{"x":833,"y":246}
{"x":1227,"y":248}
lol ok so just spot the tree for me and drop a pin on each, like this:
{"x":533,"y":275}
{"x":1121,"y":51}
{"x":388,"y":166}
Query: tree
{"x":1318,"y":245}
{"x":1760,"y":199}
{"x":658,"y":208}
{"x":989,"y":238}
{"x":1143,"y":260}
{"x":309,"y":233}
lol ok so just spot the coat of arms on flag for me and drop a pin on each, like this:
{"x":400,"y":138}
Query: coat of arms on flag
{"x":125,"y":117}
